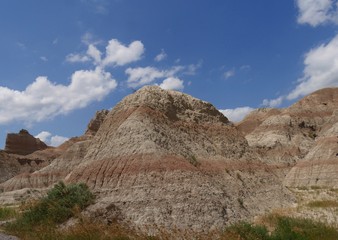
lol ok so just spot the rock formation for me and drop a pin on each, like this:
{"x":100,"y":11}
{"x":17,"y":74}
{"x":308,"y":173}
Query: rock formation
{"x":302,"y":138}
{"x":166,"y":158}
{"x":23,"y":143}
{"x":96,"y":122}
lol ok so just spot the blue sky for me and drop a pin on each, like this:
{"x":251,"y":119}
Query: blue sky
{"x":63,"y":60}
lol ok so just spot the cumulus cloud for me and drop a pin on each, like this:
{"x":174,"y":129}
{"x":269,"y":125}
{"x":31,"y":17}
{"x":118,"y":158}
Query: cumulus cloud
{"x":236,"y":114}
{"x":146,"y":75}
{"x":316,"y":12}
{"x":51,"y":140}
{"x":43,"y":99}
{"x":56,"y":140}
{"x":172,"y":83}
{"x":161,"y":56}
{"x":142,"y":75}
{"x":94,"y":53}
{"x":119,"y":54}
{"x":321,"y":69}
{"x":116,"y":54}
{"x":44,"y":136}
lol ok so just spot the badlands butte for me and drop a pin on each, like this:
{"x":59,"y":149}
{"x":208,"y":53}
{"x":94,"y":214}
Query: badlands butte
{"x":164,"y":158}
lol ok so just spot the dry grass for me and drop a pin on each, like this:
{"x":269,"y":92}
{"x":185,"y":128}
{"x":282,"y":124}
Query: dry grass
{"x":323,"y":204}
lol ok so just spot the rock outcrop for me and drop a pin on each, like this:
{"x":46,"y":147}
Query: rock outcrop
{"x":96,"y":122}
{"x":303,"y":138}
{"x":165,"y":158}
{"x":23,"y":143}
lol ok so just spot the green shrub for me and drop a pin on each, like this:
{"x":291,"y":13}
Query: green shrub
{"x":302,"y":229}
{"x":284,"y":228}
{"x":7,"y":213}
{"x":246,"y":231}
{"x":60,"y":204}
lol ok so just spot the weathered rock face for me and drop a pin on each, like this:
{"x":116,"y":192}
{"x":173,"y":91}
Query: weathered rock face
{"x":320,"y":166}
{"x":302,"y":138}
{"x":56,"y":162}
{"x":96,"y":122}
{"x":23,"y":143}
{"x":9,"y":167}
{"x":166,"y":158}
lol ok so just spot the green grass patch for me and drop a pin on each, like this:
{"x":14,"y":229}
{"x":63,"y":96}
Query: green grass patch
{"x":284,"y":228}
{"x":7,"y":213}
{"x":61,"y":203}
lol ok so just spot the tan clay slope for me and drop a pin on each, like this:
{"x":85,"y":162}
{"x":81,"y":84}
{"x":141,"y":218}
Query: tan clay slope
{"x":303,"y":134}
{"x":165,"y":158}
{"x":320,"y":166}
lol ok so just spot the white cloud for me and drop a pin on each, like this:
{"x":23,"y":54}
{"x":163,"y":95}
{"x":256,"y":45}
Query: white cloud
{"x":161,"y":56}
{"x":145,"y":75}
{"x":77,"y":58}
{"x":273,"y":102}
{"x":94,"y":53}
{"x":44,"y":136}
{"x":56,"y":140}
{"x":321,"y":70}
{"x":236,"y":114}
{"x":229,"y":74}
{"x":43,"y":99}
{"x":50,"y":140}
{"x":118,"y":54}
{"x":316,"y":12}
{"x":172,"y":83}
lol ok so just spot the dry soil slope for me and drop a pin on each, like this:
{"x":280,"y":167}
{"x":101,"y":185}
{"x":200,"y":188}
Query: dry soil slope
{"x":167,"y":158}
{"x":303,"y":138}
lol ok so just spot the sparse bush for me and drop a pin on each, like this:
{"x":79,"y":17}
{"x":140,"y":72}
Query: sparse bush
{"x":302,"y":229}
{"x":7,"y":213}
{"x":60,"y":204}
{"x":284,"y":228}
{"x":193,"y":161}
{"x":246,"y":231}
{"x":323,"y":204}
